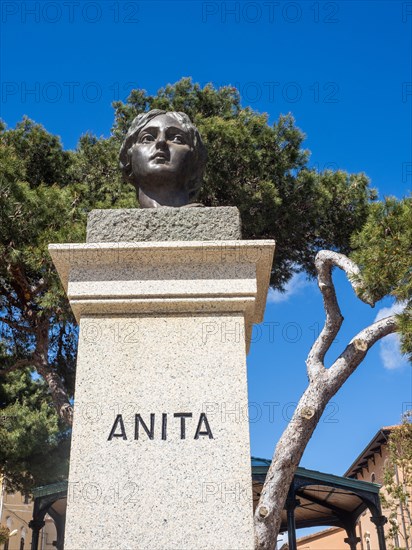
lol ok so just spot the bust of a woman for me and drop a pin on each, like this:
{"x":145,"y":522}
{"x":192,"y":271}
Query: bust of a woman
{"x":164,"y":157}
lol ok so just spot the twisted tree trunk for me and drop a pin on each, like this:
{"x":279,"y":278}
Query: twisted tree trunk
{"x":323,"y":384}
{"x":34,"y":322}
{"x":41,"y":361}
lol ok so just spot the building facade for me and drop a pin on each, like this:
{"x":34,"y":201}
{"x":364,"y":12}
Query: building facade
{"x":16,"y":512}
{"x":369,"y":466}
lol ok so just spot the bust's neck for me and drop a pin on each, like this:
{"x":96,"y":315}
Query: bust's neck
{"x":162,"y":197}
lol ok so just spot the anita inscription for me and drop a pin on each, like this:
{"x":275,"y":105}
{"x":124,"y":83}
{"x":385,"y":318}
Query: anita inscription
{"x":119,"y":431}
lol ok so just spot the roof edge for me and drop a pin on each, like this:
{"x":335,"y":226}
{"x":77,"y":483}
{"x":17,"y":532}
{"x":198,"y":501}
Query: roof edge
{"x":381,"y":433}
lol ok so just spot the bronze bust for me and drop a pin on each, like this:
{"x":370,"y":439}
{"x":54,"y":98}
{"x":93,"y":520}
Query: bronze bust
{"x":164,"y":157}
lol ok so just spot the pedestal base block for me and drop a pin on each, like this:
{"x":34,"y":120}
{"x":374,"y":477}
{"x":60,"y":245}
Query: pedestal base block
{"x":160,"y":455}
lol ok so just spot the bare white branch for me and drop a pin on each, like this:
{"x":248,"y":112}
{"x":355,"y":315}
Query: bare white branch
{"x":357,"y":348}
{"x":325,"y":261}
{"x":323,"y":384}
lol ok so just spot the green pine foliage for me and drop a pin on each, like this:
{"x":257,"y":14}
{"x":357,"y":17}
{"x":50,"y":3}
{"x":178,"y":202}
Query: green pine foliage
{"x":40,"y":152}
{"x":4,"y":534}
{"x":34,"y":446}
{"x":262,"y":169}
{"x":46,"y":194}
{"x":31,"y":216}
{"x":383,"y":250}
{"x":95,"y":170}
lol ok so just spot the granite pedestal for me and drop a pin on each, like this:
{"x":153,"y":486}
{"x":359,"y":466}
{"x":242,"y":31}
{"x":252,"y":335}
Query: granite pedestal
{"x":160,"y":455}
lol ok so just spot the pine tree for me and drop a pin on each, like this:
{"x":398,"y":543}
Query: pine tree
{"x":263,"y":170}
{"x":46,"y":194}
{"x":34,"y":444}
{"x":383,"y":251}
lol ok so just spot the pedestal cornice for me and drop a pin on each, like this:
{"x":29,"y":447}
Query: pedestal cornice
{"x":165,"y":277}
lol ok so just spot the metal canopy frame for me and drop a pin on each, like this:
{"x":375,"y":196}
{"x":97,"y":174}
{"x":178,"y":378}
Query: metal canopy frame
{"x":45,"y":498}
{"x":319,"y":499}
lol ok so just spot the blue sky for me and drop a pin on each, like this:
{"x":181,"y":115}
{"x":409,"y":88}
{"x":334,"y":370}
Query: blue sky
{"x":342,"y":68}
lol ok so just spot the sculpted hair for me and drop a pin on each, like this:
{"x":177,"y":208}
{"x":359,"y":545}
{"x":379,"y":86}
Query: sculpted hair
{"x":199,"y":150}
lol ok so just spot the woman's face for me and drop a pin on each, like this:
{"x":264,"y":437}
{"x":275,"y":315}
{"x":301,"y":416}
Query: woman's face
{"x":163,"y":149}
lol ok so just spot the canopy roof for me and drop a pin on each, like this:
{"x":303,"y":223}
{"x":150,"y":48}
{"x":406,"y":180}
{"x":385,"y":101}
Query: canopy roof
{"x":324,"y":499}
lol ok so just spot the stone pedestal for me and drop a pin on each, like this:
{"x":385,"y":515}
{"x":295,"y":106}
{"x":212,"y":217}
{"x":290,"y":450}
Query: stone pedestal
{"x":164,"y":224}
{"x":160,"y":454}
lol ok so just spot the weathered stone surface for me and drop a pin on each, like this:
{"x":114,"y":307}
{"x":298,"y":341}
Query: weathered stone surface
{"x":163,"y":278}
{"x":164,"y":490}
{"x":164,"y":224}
{"x":162,"y":342}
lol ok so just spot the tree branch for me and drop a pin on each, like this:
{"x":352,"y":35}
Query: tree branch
{"x":41,"y":285}
{"x":325,"y":261}
{"x":16,"y":326}
{"x":5,"y":292}
{"x":59,"y":394}
{"x":21,"y":363}
{"x":357,"y":348}
{"x":18,"y":275}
